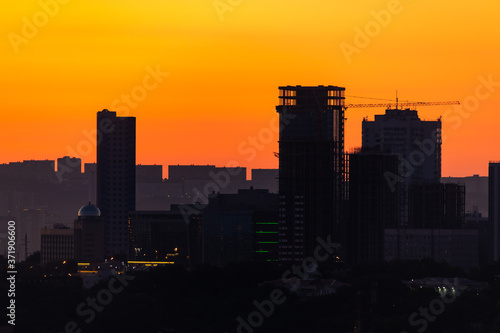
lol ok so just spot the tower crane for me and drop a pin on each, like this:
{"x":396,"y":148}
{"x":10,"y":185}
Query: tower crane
{"x":397,"y":104}
{"x":390,"y":105}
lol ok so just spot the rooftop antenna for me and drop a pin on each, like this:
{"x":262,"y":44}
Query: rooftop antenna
{"x":396,"y":99}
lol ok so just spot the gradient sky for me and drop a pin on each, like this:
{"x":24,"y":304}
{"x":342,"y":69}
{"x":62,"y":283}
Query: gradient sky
{"x":224,"y":69}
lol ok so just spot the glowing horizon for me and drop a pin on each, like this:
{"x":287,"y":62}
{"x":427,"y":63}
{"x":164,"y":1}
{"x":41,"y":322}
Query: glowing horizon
{"x":63,"y":61}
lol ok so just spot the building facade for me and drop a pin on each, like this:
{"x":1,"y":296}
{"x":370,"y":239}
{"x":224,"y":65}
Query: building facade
{"x":149,"y":173}
{"x":458,"y":247}
{"x":494,"y":209}
{"x":373,"y":206}
{"x":404,"y":195}
{"x":311,"y":168}
{"x":56,"y":244}
{"x":165,"y":237}
{"x":240,"y":227}
{"x":477,"y":192}
{"x":69,"y":168}
{"x":416,"y":142}
{"x":116,"y":142}
{"x":436,"y":205}
{"x":265,"y":178}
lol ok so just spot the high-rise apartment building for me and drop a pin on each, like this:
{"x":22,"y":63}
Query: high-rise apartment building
{"x":115,"y":178}
{"x":415,"y":141}
{"x":394,"y":184}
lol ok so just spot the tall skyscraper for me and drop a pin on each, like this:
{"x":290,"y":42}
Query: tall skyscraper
{"x":494,"y":209}
{"x":115,"y":178}
{"x":311,"y":168}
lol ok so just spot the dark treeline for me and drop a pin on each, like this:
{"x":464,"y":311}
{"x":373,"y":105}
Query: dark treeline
{"x":210,"y":299}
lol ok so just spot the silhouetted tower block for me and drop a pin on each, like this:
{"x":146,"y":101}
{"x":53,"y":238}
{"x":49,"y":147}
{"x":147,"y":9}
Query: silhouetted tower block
{"x":311,"y":168}
{"x":115,"y":178}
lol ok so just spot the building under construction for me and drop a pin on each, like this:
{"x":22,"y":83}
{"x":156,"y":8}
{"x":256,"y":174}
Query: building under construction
{"x":311,"y":168}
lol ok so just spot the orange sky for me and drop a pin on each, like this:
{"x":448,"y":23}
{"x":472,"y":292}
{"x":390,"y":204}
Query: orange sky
{"x":64,"y":60}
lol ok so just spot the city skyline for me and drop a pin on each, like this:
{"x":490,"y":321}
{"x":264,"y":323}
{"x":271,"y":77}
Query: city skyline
{"x":250,"y":166}
{"x":199,"y":51}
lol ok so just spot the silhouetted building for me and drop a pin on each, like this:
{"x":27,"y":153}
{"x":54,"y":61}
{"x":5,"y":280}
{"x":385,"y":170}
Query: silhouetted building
{"x":373,"y":206}
{"x":458,"y":247}
{"x":164,"y":237}
{"x":149,"y":173}
{"x":405,"y":193}
{"x":477,"y":192}
{"x":481,"y":224}
{"x":240,"y":227}
{"x":204,"y":172}
{"x":37,"y":170}
{"x":90,"y":173}
{"x":198,"y":181}
{"x":416,"y":142}
{"x":56,"y":244}
{"x":265,"y":178}
{"x":89,"y":234}
{"x":436,"y":205}
{"x":115,"y":178}
{"x":195,"y":186}
{"x":265,"y":175}
{"x":311,"y":168}
{"x":13,"y":202}
{"x":28,"y":237}
{"x":69,"y":168}
{"x":494,"y":209}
